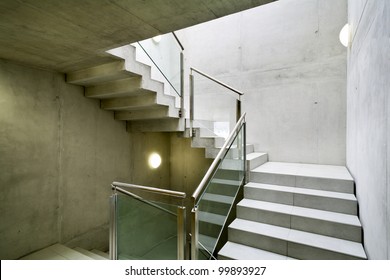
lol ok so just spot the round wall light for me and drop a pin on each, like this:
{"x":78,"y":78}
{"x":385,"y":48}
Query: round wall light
{"x":344,"y":35}
{"x":154,"y":160}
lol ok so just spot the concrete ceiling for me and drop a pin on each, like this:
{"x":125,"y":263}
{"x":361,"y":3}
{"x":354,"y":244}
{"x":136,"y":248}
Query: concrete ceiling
{"x":65,"y":35}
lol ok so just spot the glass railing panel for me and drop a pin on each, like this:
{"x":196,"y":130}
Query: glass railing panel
{"x":214,"y":103}
{"x":219,"y":195}
{"x":162,"y":53}
{"x":144,"y":231}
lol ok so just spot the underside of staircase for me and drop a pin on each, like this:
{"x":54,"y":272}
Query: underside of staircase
{"x":296,"y":211}
{"x":126,"y":88}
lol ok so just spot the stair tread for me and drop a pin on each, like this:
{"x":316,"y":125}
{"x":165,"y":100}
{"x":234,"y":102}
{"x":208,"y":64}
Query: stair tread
{"x":306,"y":170}
{"x":295,"y":236}
{"x":89,"y":254}
{"x":302,"y":212}
{"x":329,"y":194}
{"x":225,"y":181}
{"x":211,"y":218}
{"x":218,"y":198}
{"x":237,"y":251}
{"x":100,"y":253}
{"x":254,"y":155}
{"x":57,"y":252}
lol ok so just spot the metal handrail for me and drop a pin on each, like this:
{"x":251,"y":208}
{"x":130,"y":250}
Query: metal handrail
{"x":206,"y":179}
{"x":178,"y":41}
{"x":150,"y":189}
{"x":217,"y":81}
{"x":143,"y":200}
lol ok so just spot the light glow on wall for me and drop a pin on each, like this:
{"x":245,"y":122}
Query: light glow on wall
{"x":154,"y":160}
{"x":345,"y":35}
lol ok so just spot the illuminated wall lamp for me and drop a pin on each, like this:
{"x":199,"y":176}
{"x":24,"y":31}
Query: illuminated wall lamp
{"x":345,"y":35}
{"x":154,"y":160}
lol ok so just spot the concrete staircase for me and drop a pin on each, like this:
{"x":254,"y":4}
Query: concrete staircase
{"x":296,"y":211}
{"x":61,"y":252}
{"x":126,"y":88}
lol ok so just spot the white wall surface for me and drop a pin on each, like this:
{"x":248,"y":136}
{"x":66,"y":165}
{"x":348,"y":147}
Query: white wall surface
{"x":368,"y":125}
{"x":287,"y":59}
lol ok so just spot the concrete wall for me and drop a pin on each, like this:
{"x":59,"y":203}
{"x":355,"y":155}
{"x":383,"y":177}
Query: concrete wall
{"x":58,"y":155}
{"x":287,"y":58}
{"x":368,"y":120}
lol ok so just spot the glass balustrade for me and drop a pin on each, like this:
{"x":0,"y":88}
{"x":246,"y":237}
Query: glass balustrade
{"x":164,"y":54}
{"x":216,"y":201}
{"x":145,"y":229}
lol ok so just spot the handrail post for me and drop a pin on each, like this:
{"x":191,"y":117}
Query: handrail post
{"x":181,"y":232}
{"x":191,"y":102}
{"x":194,"y":233}
{"x":113,"y":227}
{"x":182,"y":112}
{"x":238,"y":108}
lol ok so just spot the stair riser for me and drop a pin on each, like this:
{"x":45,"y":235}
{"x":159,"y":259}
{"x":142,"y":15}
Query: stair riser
{"x":209,"y":229}
{"x":99,"y":74}
{"x":305,"y":252}
{"x":222,"y":189}
{"x":256,"y":162}
{"x":332,"y":229}
{"x":302,"y":200}
{"x":267,"y":243}
{"x":114,"y":88}
{"x":233,"y":153}
{"x":214,"y":207}
{"x":284,"y":247}
{"x":202,"y":142}
{"x":228,"y":174}
{"x":324,"y":184}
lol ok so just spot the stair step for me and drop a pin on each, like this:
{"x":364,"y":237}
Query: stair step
{"x":212,"y":152}
{"x":207,"y":241}
{"x":216,"y":203}
{"x":99,"y":74}
{"x":327,"y":223}
{"x":235,"y":251}
{"x":256,"y":159}
{"x":316,"y":199}
{"x":117,"y":88}
{"x":162,"y":125}
{"x":160,"y":112}
{"x":56,"y":252}
{"x":100,"y":253}
{"x":312,"y":176}
{"x":210,"y":224}
{"x":223,"y":186}
{"x":293,"y":243}
{"x":90,"y":254}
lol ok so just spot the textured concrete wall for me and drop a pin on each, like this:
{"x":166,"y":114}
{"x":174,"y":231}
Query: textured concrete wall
{"x":58,"y":155}
{"x":368,"y":129}
{"x":287,"y":58}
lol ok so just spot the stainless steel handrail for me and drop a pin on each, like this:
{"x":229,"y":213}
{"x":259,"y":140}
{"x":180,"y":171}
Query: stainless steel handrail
{"x":217,"y":81}
{"x":143,"y":200}
{"x":203,"y":184}
{"x":178,"y":41}
{"x":151,"y":189}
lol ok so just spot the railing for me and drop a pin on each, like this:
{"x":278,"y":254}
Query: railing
{"x":166,"y":54}
{"x":135,"y":214}
{"x":214,"y":198}
{"x":208,"y":90}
